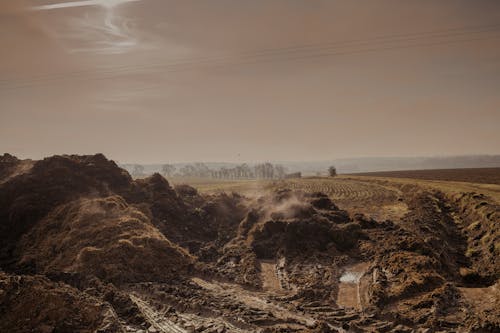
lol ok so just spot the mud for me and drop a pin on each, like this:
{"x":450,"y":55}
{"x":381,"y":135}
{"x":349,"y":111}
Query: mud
{"x":86,"y":248}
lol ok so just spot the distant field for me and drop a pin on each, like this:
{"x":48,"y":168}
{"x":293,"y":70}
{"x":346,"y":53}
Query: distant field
{"x":374,"y":196}
{"x":473,"y":175}
{"x":222,"y":185}
{"x":376,"y":200}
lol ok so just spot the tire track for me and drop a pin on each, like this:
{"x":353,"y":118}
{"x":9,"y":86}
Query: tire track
{"x":156,"y":320}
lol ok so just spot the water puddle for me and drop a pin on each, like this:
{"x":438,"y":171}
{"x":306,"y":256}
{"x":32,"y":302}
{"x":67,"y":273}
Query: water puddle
{"x":351,"y":277}
{"x":351,"y":287}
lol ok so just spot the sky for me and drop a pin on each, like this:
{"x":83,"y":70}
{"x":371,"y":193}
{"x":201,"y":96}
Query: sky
{"x":154,"y":81}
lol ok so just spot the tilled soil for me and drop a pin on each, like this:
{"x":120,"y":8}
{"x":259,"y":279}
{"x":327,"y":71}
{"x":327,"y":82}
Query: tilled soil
{"x":375,"y":200}
{"x":473,"y":175}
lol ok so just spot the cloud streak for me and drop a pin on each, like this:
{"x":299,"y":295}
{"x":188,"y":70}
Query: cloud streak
{"x":108,"y":34}
{"x":97,"y":32}
{"x":103,"y":3}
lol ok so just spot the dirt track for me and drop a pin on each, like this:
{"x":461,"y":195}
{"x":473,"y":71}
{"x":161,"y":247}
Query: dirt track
{"x":269,"y":276}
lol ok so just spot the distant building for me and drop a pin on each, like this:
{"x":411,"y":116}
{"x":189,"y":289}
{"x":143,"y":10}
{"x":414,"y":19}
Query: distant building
{"x":293,"y":175}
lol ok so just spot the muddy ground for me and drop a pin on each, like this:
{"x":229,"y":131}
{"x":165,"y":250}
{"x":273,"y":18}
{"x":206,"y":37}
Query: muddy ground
{"x":85,"y":248}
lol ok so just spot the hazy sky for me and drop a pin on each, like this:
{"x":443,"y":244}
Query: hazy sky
{"x":242,"y":80}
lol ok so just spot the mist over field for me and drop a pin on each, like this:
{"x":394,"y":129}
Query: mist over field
{"x":346,"y":165}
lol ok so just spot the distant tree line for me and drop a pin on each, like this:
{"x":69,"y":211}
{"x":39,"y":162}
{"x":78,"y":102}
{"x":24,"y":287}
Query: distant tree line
{"x":242,"y":171}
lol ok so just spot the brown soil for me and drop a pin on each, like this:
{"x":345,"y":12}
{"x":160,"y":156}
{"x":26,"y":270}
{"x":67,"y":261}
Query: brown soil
{"x":85,"y":248}
{"x":472,"y":175}
{"x":35,"y":304}
{"x":378,"y":201}
{"x":107,"y":238}
{"x":485,"y":301}
{"x":269,"y":276}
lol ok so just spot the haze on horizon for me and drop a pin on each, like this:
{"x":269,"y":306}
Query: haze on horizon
{"x":182,"y":80}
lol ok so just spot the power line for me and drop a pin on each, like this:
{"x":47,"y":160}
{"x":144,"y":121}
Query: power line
{"x":197,"y":61}
{"x":290,"y":53}
{"x":304,"y":47}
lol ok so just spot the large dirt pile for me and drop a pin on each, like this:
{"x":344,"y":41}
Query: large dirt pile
{"x":299,"y":224}
{"x":196,"y":223}
{"x":28,"y":197}
{"x":84,"y":214}
{"x":104,"y":237}
{"x":36,"y":304}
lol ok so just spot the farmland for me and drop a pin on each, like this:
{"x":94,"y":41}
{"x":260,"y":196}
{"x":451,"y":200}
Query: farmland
{"x":380,"y":197}
{"x":472,"y":175}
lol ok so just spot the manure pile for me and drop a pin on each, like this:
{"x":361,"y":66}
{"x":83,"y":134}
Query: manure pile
{"x":85,"y":248}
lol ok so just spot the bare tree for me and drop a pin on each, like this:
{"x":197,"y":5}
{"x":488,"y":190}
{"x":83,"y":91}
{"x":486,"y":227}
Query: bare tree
{"x":187,"y":171}
{"x":332,"y":171}
{"x":201,"y":170}
{"x":168,"y":170}
{"x":246,"y":171}
{"x":279,"y":171}
{"x":269,"y":170}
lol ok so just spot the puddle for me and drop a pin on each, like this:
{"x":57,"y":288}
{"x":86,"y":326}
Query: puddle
{"x":351,"y":287}
{"x":351,"y":277}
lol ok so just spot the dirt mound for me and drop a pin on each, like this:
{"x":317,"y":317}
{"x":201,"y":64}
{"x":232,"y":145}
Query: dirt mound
{"x":35,"y":304}
{"x":11,"y":166}
{"x":28,"y":197}
{"x":80,"y":201}
{"x":199,"y":224}
{"x":295,"y":223}
{"x":104,"y":237}
{"x":291,"y":227}
{"x":8,"y":165}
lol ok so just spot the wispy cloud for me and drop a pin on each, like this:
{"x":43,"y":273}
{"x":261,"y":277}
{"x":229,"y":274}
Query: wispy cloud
{"x":97,"y":32}
{"x":110,"y":34}
{"x":82,"y":3}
